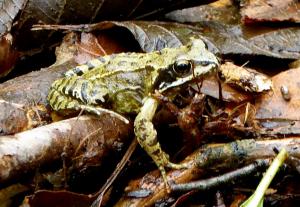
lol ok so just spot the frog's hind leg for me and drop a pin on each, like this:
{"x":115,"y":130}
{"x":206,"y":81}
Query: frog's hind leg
{"x":98,"y":111}
{"x":60,"y":102}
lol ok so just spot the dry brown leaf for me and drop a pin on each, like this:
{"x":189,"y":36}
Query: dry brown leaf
{"x":254,"y":11}
{"x":278,"y":110}
{"x":273,"y":106}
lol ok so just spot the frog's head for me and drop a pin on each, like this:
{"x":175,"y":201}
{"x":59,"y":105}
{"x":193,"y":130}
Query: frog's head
{"x":192,"y":62}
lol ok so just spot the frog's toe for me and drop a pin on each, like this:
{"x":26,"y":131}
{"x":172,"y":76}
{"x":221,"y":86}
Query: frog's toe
{"x":164,"y":174}
{"x":165,"y":179}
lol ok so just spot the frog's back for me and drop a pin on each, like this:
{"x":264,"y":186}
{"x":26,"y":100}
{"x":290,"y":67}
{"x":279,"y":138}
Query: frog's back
{"x":119,"y":82}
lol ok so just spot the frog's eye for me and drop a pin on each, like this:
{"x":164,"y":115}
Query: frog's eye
{"x":182,"y":67}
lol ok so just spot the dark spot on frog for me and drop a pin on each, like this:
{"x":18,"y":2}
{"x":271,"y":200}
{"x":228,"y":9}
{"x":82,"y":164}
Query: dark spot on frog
{"x":90,"y":65}
{"x":60,"y":104}
{"x":275,"y":150}
{"x":156,"y":152}
{"x":78,"y":71}
{"x":100,"y":101}
{"x":56,"y":99}
{"x":65,"y":86}
{"x":72,"y":88}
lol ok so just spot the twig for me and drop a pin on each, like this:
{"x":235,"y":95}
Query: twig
{"x":111,"y":179}
{"x":222,"y":179}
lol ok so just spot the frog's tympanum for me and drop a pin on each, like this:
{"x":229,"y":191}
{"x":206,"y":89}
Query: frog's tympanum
{"x":124,"y":83}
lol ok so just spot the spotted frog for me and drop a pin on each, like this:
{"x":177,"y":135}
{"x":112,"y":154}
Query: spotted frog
{"x":124,"y":83}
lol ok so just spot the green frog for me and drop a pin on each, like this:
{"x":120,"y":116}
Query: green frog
{"x":124,"y":83}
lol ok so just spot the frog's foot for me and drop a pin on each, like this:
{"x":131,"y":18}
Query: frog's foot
{"x":162,"y":162}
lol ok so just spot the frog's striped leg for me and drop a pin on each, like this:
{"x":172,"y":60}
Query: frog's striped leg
{"x":60,"y":102}
{"x":146,"y":136}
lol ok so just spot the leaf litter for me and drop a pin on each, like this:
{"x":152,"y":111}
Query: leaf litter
{"x":247,"y":112}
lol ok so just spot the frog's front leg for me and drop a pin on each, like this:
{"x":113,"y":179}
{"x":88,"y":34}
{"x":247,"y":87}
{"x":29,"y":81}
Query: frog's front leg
{"x":146,"y":136}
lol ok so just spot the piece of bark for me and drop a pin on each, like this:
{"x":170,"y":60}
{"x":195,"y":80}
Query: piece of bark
{"x":26,"y":151}
{"x":211,"y":157}
{"x":244,"y":78}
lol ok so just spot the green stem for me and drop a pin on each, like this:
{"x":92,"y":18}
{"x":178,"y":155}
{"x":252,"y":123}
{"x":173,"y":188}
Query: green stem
{"x":257,"y":198}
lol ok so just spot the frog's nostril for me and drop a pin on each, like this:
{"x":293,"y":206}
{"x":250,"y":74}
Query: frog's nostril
{"x":206,"y":63}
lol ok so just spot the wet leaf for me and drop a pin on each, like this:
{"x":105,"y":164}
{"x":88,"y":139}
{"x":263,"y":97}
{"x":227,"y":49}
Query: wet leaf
{"x":8,"y":55}
{"x":152,"y":35}
{"x":217,"y":11}
{"x":8,"y":11}
{"x":149,"y":35}
{"x":88,"y":48}
{"x":273,"y":106}
{"x":254,"y":11}
{"x":277,"y":114}
{"x":231,"y":40}
{"x":59,"y":199}
{"x":77,"y":12}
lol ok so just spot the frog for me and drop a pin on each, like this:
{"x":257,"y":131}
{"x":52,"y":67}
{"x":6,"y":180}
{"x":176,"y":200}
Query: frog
{"x":123,"y":84}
